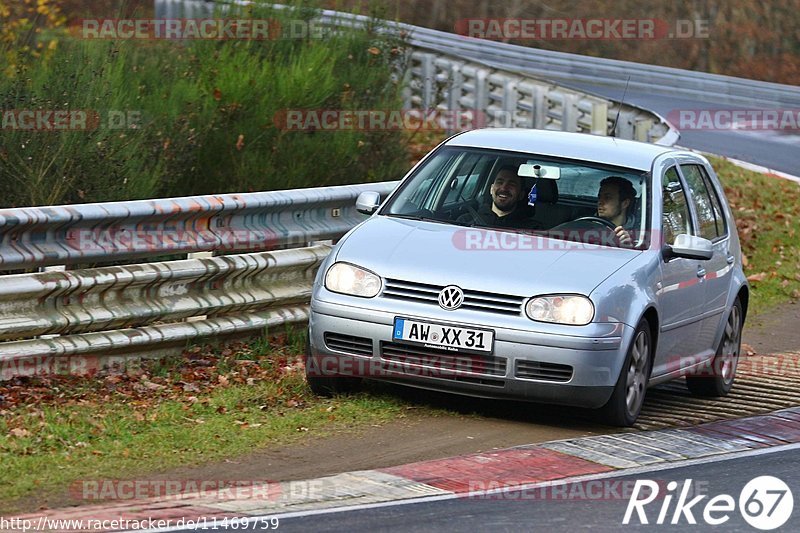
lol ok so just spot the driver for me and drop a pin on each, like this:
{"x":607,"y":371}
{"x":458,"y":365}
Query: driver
{"x":505,"y":211}
{"x":614,"y":201}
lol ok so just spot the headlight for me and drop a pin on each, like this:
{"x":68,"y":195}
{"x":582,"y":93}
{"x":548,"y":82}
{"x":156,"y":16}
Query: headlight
{"x":561,"y":309}
{"x":350,"y":279}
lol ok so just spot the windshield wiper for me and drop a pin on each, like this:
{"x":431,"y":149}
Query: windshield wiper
{"x":407,"y":217}
{"x":437,"y":220}
{"x":420,"y":218}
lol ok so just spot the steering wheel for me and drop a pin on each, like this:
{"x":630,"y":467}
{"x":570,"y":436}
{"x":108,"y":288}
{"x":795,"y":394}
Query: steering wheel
{"x":598,"y":220}
{"x":478,"y":219}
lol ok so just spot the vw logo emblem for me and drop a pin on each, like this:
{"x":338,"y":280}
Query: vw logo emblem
{"x":451,"y":297}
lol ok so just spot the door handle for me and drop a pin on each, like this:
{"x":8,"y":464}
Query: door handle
{"x":701,"y":272}
{"x":730,"y":259}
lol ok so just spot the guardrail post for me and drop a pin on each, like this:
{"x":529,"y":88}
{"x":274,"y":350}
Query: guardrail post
{"x":599,"y":118}
{"x":641,"y":130}
{"x":539,"y":110}
{"x":428,"y":79}
{"x":481,"y":89}
{"x":456,"y":87}
{"x":625,"y":125}
{"x":407,"y":93}
{"x":569,"y":113}
{"x":510,"y":102}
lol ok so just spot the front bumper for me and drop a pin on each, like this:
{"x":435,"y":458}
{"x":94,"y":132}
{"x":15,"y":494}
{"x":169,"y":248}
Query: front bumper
{"x":578,"y":369}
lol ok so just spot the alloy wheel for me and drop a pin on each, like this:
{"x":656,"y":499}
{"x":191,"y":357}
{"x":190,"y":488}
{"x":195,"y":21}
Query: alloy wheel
{"x":637,"y":372}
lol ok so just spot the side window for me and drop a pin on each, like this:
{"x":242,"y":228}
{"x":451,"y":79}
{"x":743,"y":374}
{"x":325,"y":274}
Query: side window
{"x":709,"y":209}
{"x":676,"y":217}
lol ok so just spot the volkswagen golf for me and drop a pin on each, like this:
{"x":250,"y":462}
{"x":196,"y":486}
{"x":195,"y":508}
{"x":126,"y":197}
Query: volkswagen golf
{"x":535,"y":265}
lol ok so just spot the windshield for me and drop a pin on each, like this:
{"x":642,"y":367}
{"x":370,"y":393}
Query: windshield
{"x":507,"y":191}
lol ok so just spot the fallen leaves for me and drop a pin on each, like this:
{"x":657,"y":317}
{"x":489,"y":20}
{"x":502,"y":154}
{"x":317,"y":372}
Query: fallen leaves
{"x":761,"y":276}
{"x":190,"y":379}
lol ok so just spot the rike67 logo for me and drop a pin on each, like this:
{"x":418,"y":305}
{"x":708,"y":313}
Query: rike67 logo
{"x":765,"y":503}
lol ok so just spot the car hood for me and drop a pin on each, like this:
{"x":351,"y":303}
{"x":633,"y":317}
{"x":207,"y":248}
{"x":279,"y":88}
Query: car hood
{"x":478,"y":259}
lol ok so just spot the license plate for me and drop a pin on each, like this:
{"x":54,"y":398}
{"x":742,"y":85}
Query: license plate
{"x":446,"y":336}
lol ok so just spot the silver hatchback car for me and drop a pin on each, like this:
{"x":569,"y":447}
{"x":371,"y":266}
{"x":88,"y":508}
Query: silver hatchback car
{"x":536,"y":265}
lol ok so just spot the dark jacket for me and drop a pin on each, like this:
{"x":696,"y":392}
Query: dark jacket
{"x":518,"y":218}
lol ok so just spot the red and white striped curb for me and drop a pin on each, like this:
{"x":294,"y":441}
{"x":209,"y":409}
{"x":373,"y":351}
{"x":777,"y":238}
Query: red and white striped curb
{"x":468,"y":475}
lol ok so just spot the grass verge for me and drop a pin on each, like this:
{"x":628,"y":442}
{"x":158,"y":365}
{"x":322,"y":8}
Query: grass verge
{"x":207,"y":405}
{"x":767,"y":213}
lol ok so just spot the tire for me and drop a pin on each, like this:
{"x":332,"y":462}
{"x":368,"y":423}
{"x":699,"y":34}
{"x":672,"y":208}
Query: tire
{"x":625,"y":404}
{"x":725,"y":361}
{"x":327,"y":386}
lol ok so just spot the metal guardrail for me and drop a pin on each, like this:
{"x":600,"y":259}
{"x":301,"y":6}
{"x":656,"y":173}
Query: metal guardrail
{"x":114,"y":231}
{"x":507,"y":100}
{"x":148,"y":309}
{"x":115,"y":297}
{"x":565,"y":67}
{"x":445,"y":81}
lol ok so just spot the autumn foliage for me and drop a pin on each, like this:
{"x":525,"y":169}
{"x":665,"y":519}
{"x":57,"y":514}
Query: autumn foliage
{"x":746,"y":38}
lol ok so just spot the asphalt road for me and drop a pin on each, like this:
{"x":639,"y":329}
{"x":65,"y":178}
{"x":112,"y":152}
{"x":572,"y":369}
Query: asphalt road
{"x":771,"y":149}
{"x":567,"y":509}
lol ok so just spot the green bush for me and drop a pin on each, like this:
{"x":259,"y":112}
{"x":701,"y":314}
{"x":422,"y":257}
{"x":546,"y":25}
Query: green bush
{"x":203,"y":116}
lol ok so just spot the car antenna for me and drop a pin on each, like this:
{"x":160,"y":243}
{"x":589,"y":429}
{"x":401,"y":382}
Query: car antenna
{"x":616,"y":119}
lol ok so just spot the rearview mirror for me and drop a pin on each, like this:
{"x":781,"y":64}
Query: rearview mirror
{"x":368,"y":202}
{"x":691,"y":247}
{"x":532,"y":170}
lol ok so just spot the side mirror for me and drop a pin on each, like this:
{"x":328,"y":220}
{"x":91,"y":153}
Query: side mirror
{"x":690,"y":247}
{"x":368,"y":202}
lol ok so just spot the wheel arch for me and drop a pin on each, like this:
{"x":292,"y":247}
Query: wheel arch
{"x":651,"y":315}
{"x":744,"y":298}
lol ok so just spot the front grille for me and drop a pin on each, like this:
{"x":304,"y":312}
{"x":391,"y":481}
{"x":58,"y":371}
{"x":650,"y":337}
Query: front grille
{"x":441,"y":361}
{"x":348,"y":344}
{"x":475,"y":300}
{"x":543,"y":371}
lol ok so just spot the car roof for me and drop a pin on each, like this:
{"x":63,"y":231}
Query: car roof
{"x":580,"y":146}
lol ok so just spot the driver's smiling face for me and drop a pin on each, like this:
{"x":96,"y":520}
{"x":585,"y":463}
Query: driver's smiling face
{"x":506,"y":190}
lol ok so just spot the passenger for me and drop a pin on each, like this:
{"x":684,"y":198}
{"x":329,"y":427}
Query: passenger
{"x":614,"y":203}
